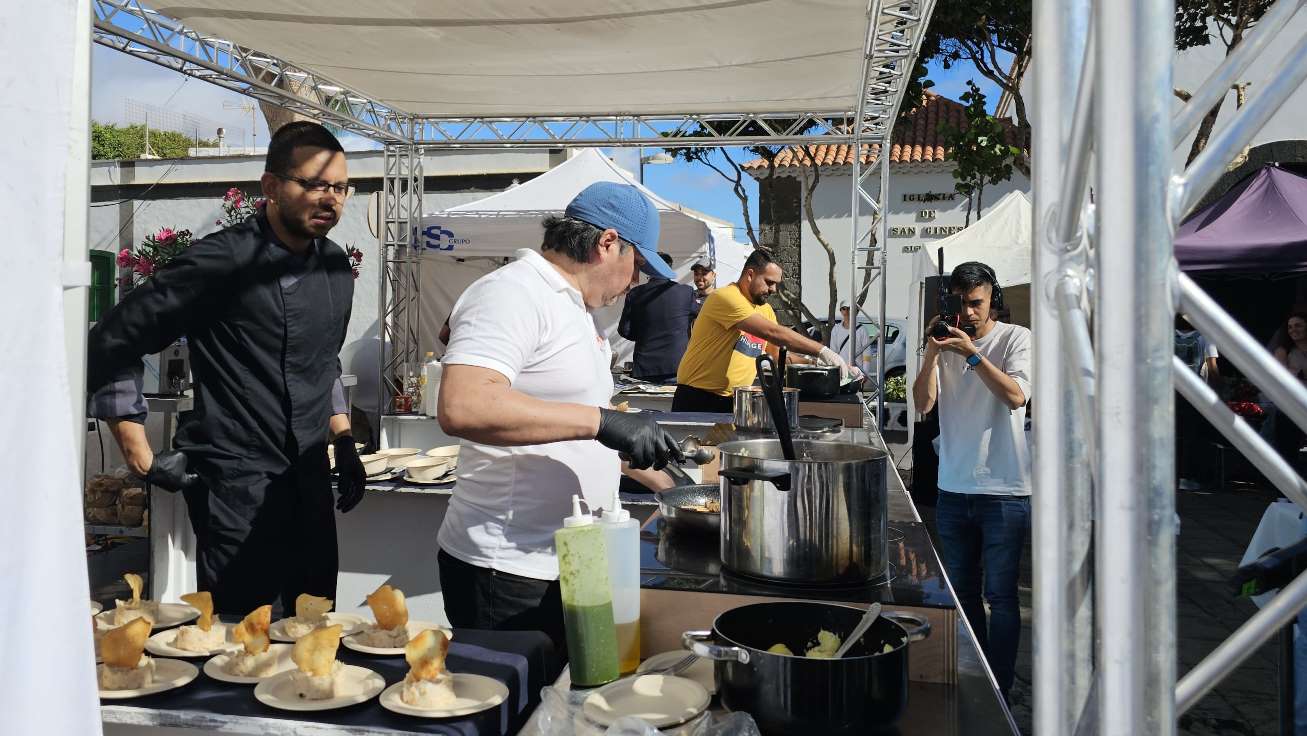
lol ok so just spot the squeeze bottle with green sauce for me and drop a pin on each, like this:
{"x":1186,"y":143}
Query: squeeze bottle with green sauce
{"x":587,"y":599}
{"x":623,"y":537}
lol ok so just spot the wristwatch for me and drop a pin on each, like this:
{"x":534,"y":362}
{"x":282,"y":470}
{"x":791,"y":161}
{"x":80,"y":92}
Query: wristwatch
{"x":973,"y":360}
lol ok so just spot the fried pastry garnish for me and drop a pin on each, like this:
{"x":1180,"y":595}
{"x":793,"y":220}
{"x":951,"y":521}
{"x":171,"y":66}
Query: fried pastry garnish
{"x":122,"y":647}
{"x":315,"y":652}
{"x":252,"y":631}
{"x":310,"y":607}
{"x":202,"y":601}
{"x":388,"y":606}
{"x":425,"y":654}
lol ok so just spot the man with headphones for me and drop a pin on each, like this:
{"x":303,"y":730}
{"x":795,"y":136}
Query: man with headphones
{"x":979,"y":375}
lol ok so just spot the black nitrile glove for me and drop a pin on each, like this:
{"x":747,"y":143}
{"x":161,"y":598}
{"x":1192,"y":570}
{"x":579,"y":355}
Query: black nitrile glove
{"x":638,"y":437}
{"x":168,"y":471}
{"x":352,"y":476}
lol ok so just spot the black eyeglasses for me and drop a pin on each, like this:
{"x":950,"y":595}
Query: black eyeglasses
{"x":318,"y":186}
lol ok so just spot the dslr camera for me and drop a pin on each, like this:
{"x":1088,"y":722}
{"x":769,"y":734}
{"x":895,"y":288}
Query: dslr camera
{"x":950,"y":308}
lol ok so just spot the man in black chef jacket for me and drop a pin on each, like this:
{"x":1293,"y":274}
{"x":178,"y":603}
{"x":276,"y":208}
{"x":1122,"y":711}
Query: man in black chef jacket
{"x":264,"y":306}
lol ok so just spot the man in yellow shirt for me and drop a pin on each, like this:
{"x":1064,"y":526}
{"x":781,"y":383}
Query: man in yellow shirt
{"x":734,"y":326}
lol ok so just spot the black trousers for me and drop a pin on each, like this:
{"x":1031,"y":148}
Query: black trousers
{"x":689,"y":398}
{"x":481,"y":598}
{"x":264,"y":539}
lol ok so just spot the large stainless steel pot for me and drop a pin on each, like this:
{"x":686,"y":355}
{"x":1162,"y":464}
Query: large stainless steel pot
{"x":819,"y":520}
{"x":864,"y":691}
{"x":750,"y":410}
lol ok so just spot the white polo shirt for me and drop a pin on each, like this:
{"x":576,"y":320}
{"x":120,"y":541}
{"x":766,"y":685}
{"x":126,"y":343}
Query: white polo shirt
{"x":526,"y":322}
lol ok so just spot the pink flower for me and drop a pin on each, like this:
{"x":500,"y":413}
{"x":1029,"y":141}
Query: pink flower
{"x":144,"y":266}
{"x":165,"y":235}
{"x":126,"y":259}
{"x":232,"y":193}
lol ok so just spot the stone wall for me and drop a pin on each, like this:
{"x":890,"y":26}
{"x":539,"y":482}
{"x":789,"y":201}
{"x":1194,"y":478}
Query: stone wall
{"x":780,"y":215}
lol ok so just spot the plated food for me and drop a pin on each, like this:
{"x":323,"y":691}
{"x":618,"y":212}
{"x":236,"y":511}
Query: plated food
{"x":391,"y":627}
{"x":428,"y":684}
{"x":319,"y":681}
{"x":256,"y":658}
{"x":316,"y":666}
{"x":310,"y":613}
{"x":203,"y":636}
{"x":125,"y":665}
{"x":129,"y":610}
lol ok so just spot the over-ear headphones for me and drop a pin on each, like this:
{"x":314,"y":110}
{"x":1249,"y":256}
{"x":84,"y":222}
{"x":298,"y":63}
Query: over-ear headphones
{"x":996,"y":291}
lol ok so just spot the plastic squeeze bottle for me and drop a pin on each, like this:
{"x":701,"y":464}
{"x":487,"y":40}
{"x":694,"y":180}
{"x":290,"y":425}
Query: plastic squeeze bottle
{"x":431,"y":371}
{"x":587,"y":599}
{"x":622,"y":534}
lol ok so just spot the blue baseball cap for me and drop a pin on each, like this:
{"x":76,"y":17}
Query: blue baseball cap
{"x":622,"y":207}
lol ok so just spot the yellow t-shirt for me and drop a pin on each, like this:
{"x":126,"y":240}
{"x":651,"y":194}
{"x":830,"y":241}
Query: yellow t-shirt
{"x":719,"y":356}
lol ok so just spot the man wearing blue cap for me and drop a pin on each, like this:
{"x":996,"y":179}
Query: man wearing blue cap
{"x":526,"y":385}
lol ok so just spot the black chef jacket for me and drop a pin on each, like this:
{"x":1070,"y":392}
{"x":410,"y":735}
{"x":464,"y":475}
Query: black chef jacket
{"x":264,"y":327}
{"x":656,"y":317}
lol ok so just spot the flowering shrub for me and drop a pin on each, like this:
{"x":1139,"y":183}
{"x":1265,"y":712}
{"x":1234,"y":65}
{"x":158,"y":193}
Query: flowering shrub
{"x":154,"y":252}
{"x":237,"y":206}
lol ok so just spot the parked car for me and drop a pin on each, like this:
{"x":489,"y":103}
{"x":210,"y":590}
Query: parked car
{"x":896,"y":351}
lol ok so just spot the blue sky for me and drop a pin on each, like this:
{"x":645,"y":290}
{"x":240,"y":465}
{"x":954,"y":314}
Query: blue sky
{"x":118,"y":78}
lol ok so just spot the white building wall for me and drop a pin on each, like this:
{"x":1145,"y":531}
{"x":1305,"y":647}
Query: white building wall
{"x":914,"y":224}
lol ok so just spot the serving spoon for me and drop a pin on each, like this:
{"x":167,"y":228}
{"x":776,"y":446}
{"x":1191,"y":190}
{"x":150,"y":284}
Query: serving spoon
{"x":868,"y":619}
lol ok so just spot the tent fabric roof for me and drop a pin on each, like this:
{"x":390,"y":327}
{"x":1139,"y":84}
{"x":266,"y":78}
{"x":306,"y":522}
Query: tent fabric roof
{"x":582,"y":57}
{"x":1259,"y":225}
{"x":1000,"y":239}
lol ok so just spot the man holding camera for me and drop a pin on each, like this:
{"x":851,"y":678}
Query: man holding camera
{"x":978,"y":370}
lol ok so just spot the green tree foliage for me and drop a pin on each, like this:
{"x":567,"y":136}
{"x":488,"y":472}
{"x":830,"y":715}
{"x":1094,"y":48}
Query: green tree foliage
{"x":981,"y":148}
{"x":110,"y":141}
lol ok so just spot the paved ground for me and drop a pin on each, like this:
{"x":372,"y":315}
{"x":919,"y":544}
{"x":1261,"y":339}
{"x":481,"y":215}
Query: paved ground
{"x":1214,"y":530}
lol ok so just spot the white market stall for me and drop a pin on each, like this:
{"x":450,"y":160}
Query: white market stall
{"x":1000,"y":239}
{"x":466,"y":242}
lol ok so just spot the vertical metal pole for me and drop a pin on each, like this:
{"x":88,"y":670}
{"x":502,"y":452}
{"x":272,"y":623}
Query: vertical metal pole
{"x":1062,"y":493}
{"x":883,"y":245}
{"x":1135,"y":570}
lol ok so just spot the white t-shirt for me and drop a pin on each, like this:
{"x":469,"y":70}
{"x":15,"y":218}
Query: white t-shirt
{"x":526,"y":322}
{"x":982,"y":443}
{"x":852,"y":347}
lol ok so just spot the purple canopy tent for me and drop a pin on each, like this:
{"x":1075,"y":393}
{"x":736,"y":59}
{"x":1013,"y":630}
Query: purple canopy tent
{"x":1260,"y":225}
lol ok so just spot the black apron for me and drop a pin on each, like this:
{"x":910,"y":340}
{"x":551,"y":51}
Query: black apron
{"x":264,"y":328}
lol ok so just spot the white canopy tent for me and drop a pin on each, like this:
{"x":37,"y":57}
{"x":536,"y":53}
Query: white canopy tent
{"x":466,"y":242}
{"x":1000,"y":239}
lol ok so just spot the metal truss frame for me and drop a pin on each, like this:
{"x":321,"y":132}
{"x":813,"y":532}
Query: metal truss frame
{"x":132,"y":28}
{"x":399,"y":297}
{"x":1104,"y":449}
{"x":895,"y":29}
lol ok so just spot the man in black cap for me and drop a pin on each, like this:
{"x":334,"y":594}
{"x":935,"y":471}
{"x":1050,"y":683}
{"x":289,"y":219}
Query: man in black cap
{"x":705,"y":279}
{"x":657,"y":317}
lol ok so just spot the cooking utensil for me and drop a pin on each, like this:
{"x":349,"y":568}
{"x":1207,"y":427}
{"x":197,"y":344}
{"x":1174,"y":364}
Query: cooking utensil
{"x":677,"y":507}
{"x":816,"y":520}
{"x":813,"y":381}
{"x":857,"y":694}
{"x":868,"y":618}
{"x":679,"y":476}
{"x":772,"y":385}
{"x":695,"y":452}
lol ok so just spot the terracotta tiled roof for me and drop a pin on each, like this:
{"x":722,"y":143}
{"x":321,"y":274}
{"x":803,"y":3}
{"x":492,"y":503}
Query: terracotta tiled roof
{"x":916,"y":139}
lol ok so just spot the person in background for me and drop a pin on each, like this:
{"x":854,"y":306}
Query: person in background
{"x":1191,"y":429}
{"x":735,"y":325}
{"x":264,"y":306}
{"x":526,"y":386}
{"x":1290,"y":348}
{"x":853,"y":345}
{"x":657,"y":317}
{"x":980,"y":378}
{"x":705,"y":279}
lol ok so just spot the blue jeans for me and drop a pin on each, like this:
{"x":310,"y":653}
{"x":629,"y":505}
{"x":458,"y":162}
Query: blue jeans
{"x":981,"y":538}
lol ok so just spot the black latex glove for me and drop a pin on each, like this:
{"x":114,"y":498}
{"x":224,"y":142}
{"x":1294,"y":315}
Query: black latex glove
{"x":168,"y":471}
{"x":638,"y":437}
{"x":352,"y":476}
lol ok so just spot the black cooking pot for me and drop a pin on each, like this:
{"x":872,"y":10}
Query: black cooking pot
{"x":866,"y":689}
{"x":813,"y":381}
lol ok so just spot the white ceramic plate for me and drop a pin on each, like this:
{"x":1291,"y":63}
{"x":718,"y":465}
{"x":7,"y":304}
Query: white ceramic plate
{"x":215,"y":667}
{"x":445,"y":479}
{"x":96,"y":607}
{"x":444,"y":451}
{"x":161,"y":643}
{"x":170,"y":614}
{"x":350,"y":621}
{"x":475,"y":693}
{"x":660,"y":700}
{"x":414,"y":628}
{"x":387,"y":474}
{"x":168,"y":675}
{"x":701,"y":671}
{"x":354,"y":685}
